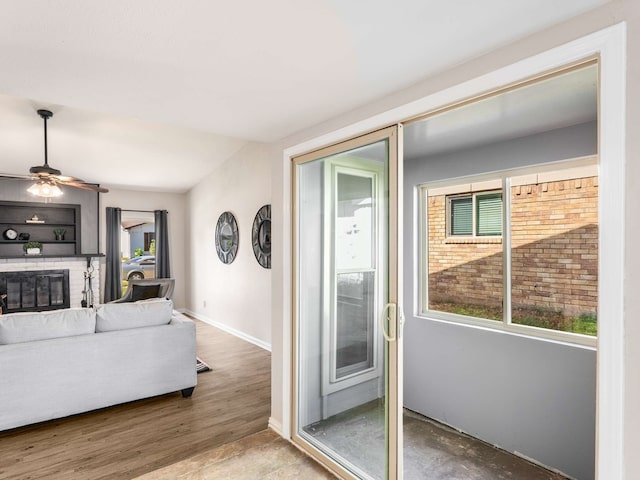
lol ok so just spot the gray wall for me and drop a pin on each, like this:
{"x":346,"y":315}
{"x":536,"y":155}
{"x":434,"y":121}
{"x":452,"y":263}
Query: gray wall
{"x":530,"y":396}
{"x":16,"y":191}
{"x":136,"y":237}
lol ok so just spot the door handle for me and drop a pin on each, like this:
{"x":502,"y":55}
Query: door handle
{"x":389,"y":320}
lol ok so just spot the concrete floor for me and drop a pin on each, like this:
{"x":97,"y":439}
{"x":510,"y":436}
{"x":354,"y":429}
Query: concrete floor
{"x":431,"y":450}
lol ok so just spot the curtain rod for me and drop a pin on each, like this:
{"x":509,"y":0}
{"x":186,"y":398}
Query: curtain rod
{"x":138,"y":211}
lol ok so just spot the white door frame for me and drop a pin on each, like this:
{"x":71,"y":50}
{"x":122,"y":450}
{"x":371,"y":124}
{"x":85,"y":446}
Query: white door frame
{"x":610,"y":46}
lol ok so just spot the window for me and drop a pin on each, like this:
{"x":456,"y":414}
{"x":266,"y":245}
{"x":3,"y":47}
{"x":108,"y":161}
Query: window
{"x":352,"y":192}
{"x":149,"y":238}
{"x":530,"y":265}
{"x":477,"y":214}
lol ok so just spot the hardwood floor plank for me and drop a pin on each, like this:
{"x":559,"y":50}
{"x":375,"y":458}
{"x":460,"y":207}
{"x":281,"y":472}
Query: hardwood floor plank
{"x":230,"y":402}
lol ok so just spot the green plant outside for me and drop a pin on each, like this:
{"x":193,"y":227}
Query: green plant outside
{"x":550,"y":320}
{"x":152,"y":247}
{"x":138,"y":252}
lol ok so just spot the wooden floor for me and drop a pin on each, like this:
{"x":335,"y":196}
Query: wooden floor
{"x":130,"y":440}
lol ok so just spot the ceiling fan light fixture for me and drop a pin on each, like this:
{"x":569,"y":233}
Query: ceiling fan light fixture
{"x":47,"y":179}
{"x":44,"y":188}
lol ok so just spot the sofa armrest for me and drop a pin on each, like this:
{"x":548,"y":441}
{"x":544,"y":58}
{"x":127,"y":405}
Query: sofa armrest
{"x":179,"y":319}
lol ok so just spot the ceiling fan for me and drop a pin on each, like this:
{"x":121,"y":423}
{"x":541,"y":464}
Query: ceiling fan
{"x":48,"y":179}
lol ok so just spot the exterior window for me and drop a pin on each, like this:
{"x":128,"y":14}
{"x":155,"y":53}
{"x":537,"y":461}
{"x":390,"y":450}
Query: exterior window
{"x":475,"y":215}
{"x":149,"y":237}
{"x":353,"y":192}
{"x":530,"y":265}
{"x":461,"y":215}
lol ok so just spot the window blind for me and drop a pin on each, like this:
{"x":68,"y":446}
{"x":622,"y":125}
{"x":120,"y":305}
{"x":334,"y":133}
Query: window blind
{"x":489,"y":219}
{"x":462,"y":216}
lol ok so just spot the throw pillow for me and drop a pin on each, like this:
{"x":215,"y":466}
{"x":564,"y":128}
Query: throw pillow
{"x":122,"y":316}
{"x":28,"y":327}
{"x":144,"y":292}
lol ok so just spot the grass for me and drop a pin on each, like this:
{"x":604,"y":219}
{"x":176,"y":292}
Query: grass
{"x":533,"y":317}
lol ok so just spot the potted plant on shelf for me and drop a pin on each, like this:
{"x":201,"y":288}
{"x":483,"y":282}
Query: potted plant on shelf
{"x":32,"y":248}
{"x":59,"y":232}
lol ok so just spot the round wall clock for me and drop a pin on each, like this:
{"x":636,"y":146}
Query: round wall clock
{"x":261,"y":236}
{"x":10,"y":234}
{"x":227,"y":237}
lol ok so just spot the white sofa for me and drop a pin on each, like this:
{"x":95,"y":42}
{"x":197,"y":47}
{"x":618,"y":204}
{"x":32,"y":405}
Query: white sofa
{"x":55,"y":364}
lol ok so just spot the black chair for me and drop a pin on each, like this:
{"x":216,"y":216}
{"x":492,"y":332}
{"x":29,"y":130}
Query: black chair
{"x":148,"y":288}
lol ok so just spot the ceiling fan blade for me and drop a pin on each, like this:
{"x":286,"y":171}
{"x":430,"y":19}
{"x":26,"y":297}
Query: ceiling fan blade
{"x":85,"y":186}
{"x":17,"y":177}
{"x":66,"y":179}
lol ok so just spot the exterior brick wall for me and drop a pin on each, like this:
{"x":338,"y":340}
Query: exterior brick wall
{"x":554,"y":240}
{"x":465,"y":272}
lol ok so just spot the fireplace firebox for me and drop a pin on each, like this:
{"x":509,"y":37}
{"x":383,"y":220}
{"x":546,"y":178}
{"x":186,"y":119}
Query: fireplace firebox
{"x":35,"y":290}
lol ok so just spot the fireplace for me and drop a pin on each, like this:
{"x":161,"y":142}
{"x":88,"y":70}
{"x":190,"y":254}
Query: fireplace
{"x":35,"y":290}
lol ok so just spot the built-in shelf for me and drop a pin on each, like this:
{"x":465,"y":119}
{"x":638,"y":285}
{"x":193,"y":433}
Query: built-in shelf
{"x":41,"y":241}
{"x":38,"y":221}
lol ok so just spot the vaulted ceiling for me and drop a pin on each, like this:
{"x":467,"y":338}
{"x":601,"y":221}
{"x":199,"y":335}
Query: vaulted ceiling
{"x":154,"y":94}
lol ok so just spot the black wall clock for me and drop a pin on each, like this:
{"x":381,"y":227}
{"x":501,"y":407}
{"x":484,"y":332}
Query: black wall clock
{"x":261,"y":236}
{"x":227,"y":237}
{"x":10,"y":234}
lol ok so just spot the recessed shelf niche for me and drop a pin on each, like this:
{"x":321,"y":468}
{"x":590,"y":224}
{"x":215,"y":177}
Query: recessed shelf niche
{"x":38,"y":221}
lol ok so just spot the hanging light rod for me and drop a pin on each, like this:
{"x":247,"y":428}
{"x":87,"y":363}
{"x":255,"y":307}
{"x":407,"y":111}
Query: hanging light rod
{"x":46,"y":169}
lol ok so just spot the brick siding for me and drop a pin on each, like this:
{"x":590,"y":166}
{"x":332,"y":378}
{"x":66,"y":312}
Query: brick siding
{"x":554,"y":239}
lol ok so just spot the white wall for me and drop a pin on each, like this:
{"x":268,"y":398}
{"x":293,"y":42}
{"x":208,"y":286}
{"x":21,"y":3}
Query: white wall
{"x":236,"y":296}
{"x":573,"y":29}
{"x":174,"y":203}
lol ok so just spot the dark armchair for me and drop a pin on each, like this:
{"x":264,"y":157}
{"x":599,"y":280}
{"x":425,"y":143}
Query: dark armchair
{"x":148,"y":288}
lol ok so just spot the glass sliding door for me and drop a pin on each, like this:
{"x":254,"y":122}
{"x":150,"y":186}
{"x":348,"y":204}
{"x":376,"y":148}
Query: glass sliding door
{"x":346,"y":327}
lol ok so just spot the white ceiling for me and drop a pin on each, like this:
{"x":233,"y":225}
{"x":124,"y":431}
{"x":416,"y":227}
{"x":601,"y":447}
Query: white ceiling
{"x":146,"y":93}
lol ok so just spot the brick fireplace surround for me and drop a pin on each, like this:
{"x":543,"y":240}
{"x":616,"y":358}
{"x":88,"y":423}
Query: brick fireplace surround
{"x":76,"y":266}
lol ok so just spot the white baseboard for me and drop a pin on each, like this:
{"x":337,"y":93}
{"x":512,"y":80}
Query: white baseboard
{"x":276,"y":426}
{"x":228,"y":329}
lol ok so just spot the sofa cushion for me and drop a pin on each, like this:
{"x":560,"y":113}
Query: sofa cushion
{"x":121,"y":316}
{"x":30,"y":326}
{"x":145,"y":292}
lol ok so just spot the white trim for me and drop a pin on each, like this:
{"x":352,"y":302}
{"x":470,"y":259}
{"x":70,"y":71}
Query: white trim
{"x":610,"y":45}
{"x":285,"y":297}
{"x":237,"y":333}
{"x":610,"y":401}
{"x":276,"y":426}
